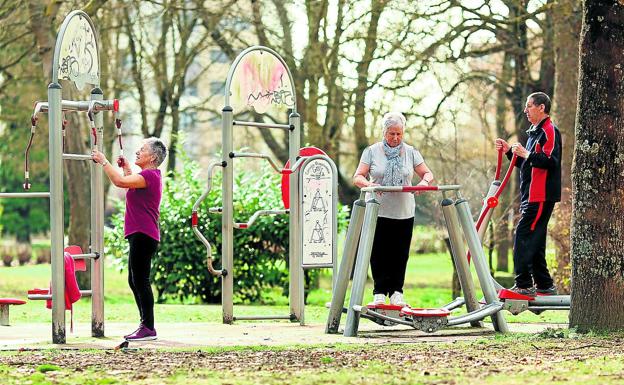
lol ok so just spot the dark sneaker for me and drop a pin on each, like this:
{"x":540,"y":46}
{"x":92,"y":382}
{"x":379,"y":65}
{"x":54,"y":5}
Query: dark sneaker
{"x":528,"y":291}
{"x":134,"y":332}
{"x":550,"y":291}
{"x":142,"y":334}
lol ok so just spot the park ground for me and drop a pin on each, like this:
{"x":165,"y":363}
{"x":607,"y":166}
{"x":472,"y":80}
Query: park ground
{"x":195,"y":347}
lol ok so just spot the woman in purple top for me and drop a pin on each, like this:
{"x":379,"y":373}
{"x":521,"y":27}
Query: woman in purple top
{"x":141,"y":224}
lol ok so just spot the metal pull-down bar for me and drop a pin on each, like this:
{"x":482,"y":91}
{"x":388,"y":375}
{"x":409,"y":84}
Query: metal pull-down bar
{"x":263,"y":125}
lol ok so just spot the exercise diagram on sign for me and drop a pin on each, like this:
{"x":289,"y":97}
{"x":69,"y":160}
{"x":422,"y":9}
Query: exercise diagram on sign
{"x":317,"y":209}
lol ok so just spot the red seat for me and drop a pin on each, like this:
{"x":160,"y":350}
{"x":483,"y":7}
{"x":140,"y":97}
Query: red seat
{"x":304,"y":151}
{"x":4,"y":309}
{"x":79,"y":264}
{"x":11,"y":301}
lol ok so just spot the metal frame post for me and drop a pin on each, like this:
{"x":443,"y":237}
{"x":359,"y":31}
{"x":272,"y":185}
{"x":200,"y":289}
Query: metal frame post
{"x":458,"y":253}
{"x":56,"y":213}
{"x":341,"y":281}
{"x":361,"y":266}
{"x":97,"y":229}
{"x":227,"y":218}
{"x":295,"y":258}
{"x":483,"y":272}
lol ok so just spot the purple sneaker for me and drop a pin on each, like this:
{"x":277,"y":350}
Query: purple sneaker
{"x":134,"y":332}
{"x":142,"y":334}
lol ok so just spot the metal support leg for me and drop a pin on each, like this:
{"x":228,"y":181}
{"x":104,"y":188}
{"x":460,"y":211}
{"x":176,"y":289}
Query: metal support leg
{"x":346,"y":264}
{"x":56,"y":213}
{"x":295,"y":257}
{"x":361,"y":267}
{"x":483,"y":272}
{"x":459,"y":258}
{"x":227,"y":224}
{"x":97,"y":230}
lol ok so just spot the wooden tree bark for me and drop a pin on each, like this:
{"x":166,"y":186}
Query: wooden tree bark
{"x":503,"y":240}
{"x":567,"y":29}
{"x":598,"y":210}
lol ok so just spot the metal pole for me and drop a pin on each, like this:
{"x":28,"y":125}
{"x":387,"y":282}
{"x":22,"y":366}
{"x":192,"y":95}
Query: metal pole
{"x":295,"y":257}
{"x":346,"y":265}
{"x":481,"y":231}
{"x":459,"y":257}
{"x":361,"y":267}
{"x":227,"y":221}
{"x":56,"y":213}
{"x":483,"y":272}
{"x":97,"y":229}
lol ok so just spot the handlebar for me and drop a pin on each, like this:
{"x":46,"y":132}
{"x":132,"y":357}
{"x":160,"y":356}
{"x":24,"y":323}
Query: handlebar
{"x":410,"y":189}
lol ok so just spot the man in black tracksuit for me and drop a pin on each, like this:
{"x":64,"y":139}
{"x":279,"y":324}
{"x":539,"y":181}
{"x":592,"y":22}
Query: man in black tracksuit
{"x":540,"y":187}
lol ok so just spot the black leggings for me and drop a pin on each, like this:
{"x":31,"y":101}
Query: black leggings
{"x":390,"y":253}
{"x":142,"y":249}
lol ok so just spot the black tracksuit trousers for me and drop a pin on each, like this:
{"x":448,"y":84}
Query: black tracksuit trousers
{"x":530,"y":246}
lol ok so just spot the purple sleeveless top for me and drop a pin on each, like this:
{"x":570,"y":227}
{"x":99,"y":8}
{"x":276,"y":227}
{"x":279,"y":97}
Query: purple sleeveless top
{"x":143,"y":206}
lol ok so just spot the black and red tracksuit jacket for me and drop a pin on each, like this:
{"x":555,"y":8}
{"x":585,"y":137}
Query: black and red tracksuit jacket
{"x":540,"y":173}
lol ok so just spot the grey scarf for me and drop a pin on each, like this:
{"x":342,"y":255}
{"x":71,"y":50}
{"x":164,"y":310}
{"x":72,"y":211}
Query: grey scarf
{"x":393,"y":174}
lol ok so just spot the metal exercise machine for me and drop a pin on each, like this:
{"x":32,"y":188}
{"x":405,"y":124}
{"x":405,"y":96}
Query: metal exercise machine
{"x":260,"y":79}
{"x":76,"y":59}
{"x":362,"y":227}
{"x":513,"y":302}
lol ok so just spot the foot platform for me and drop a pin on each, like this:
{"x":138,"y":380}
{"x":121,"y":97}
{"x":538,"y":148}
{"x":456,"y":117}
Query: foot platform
{"x":426,"y":320}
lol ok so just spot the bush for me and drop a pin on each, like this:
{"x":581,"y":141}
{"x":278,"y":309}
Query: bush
{"x":261,"y":252}
{"x":7,"y":255}
{"x":43,"y":255}
{"x":24,"y":253}
{"x":428,"y":239}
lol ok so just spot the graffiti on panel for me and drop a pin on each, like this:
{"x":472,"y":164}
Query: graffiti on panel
{"x":318,"y":213}
{"x":261,"y":82}
{"x":78,"y":59}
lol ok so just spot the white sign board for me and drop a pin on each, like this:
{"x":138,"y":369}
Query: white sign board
{"x":261,"y":81}
{"x":78,"y":59}
{"x":318,"y":212}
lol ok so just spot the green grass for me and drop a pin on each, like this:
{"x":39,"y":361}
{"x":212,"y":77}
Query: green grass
{"x":428,"y":284}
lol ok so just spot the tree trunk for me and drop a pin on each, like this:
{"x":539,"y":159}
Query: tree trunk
{"x":359,"y":125}
{"x":597,"y":216}
{"x":567,"y":28}
{"x":502,"y":235}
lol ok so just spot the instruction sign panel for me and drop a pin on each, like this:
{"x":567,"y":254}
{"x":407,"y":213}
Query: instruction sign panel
{"x":318,"y":212}
{"x":261,"y":81}
{"x":78,"y":59}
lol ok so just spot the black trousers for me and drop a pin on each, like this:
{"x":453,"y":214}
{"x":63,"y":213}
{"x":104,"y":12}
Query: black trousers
{"x":390,"y":253}
{"x":142,"y":249}
{"x":530,"y":246}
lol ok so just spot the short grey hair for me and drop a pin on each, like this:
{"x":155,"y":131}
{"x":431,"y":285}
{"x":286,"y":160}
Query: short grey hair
{"x":392,"y":119}
{"x":158,"y":149}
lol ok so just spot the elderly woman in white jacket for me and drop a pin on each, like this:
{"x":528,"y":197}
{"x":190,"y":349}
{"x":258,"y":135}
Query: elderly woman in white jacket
{"x":392,"y":162}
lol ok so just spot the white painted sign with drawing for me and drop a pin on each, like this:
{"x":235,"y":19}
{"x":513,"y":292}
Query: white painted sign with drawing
{"x":318,"y":212}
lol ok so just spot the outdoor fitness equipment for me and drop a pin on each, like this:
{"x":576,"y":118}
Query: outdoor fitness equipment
{"x":513,"y":302}
{"x":362,"y":227}
{"x":76,"y":59}
{"x":260,"y":79}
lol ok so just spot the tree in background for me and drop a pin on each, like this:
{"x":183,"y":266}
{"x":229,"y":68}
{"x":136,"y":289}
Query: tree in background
{"x":567,"y":25}
{"x":598,"y":212}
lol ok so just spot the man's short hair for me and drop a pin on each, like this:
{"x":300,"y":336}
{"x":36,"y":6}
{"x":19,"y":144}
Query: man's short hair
{"x":541,"y":98}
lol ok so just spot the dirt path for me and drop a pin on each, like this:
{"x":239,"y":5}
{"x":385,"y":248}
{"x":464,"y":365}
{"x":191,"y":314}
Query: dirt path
{"x":475,"y":359}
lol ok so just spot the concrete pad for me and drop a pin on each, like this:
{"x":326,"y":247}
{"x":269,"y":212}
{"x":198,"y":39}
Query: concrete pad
{"x":198,"y":335}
